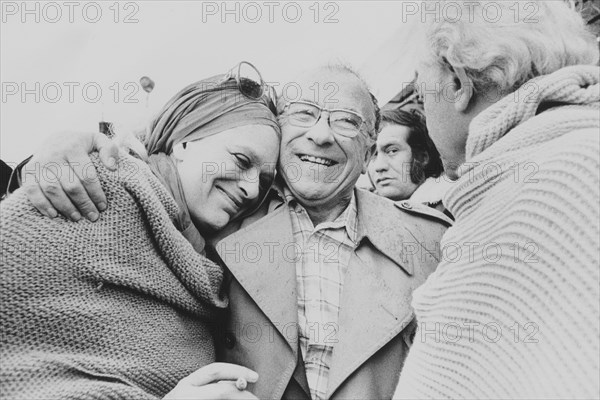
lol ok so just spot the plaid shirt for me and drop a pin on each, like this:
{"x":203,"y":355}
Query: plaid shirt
{"x":320,"y":268}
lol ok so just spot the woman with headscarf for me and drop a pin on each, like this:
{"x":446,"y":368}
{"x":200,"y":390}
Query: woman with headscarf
{"x":512,"y":100}
{"x":124,"y":307}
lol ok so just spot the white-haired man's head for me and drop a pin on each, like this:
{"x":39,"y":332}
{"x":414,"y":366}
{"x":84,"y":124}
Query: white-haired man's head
{"x":475,"y":53}
{"x":328,"y":131}
{"x":503,"y":44}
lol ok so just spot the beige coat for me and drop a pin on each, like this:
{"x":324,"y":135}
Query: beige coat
{"x":398,"y":248}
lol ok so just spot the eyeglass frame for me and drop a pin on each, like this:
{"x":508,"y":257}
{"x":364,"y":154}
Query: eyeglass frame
{"x":268,"y":91}
{"x":329,"y":111}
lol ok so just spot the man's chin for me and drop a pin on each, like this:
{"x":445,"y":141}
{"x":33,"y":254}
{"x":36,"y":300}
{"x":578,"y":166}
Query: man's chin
{"x":213,"y":223}
{"x":394,"y":196}
{"x":309,"y":193}
{"x":316,"y":196}
{"x":452,"y":174}
{"x":451,"y":170}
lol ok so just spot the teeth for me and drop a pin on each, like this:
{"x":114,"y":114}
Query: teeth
{"x":316,"y":160}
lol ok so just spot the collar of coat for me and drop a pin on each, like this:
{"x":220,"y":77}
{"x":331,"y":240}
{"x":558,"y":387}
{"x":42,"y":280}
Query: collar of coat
{"x":383,"y":223}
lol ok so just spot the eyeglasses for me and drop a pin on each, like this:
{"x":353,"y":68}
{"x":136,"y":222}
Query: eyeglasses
{"x":305,"y":114}
{"x":250,"y":83}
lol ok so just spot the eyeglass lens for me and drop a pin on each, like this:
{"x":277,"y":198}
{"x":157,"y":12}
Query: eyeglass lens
{"x":342,"y":122}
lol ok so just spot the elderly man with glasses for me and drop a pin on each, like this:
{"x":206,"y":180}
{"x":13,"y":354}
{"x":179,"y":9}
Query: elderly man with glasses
{"x":321,"y":277}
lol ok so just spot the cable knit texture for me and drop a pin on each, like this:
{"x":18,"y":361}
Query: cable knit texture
{"x":116,"y":309}
{"x":513,"y":309}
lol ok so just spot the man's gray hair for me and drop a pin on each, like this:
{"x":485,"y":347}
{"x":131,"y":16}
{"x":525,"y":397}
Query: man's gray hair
{"x":515,"y":47}
{"x":347,"y":69}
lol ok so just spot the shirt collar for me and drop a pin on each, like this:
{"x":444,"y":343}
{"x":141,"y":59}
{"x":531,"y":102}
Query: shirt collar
{"x":348,"y":219}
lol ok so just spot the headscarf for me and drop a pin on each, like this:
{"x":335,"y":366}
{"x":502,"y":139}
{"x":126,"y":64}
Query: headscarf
{"x":203,"y":109}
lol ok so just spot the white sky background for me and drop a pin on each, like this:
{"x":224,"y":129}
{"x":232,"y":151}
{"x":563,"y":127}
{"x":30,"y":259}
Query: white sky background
{"x":175,"y":43}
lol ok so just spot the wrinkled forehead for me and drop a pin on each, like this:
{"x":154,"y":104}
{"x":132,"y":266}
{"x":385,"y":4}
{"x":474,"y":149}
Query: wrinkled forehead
{"x":334,"y":89}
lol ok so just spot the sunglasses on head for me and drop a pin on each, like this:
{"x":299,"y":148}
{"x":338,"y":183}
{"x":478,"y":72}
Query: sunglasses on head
{"x":251,"y":84}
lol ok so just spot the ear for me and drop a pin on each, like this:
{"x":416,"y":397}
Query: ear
{"x":368,"y":155}
{"x":464,"y":89}
{"x":424,"y":158}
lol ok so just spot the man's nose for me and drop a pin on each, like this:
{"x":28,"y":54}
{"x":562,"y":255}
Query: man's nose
{"x":380,"y":163}
{"x":321,"y":133}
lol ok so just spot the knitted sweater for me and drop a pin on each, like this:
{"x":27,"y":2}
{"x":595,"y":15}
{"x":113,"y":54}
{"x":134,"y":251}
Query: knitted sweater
{"x":512,"y":311}
{"x":116,"y":309}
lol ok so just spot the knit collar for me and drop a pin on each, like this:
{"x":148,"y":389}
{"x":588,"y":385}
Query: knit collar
{"x":574,"y":85}
{"x":513,"y":129}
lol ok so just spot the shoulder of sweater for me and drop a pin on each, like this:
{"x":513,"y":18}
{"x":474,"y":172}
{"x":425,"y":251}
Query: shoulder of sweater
{"x":134,"y":179}
{"x":129,"y":169}
{"x":577,"y":149}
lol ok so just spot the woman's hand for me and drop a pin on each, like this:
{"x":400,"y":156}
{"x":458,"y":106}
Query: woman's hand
{"x":61,"y":176}
{"x":215,"y":381}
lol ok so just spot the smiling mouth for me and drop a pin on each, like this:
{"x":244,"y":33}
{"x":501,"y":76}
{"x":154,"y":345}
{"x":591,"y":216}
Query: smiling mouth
{"x":236,"y":202}
{"x":317,"y":160}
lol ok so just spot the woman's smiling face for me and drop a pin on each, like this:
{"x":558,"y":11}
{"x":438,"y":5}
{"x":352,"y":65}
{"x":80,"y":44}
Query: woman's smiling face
{"x":226,"y":175}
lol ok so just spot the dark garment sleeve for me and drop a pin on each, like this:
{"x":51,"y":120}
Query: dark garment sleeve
{"x":14,"y":179}
{"x":5,"y":174}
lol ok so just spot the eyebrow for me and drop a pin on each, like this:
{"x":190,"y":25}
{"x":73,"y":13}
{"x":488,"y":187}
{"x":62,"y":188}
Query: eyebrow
{"x":334,"y":108}
{"x":394,"y":142}
{"x":249,"y":152}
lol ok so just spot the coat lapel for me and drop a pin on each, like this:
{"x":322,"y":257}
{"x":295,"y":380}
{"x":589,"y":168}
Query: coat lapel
{"x":261,"y":257}
{"x":300,"y":375}
{"x":375,"y":303}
